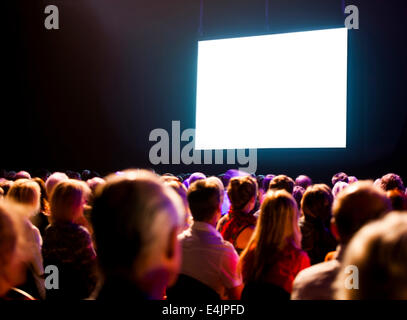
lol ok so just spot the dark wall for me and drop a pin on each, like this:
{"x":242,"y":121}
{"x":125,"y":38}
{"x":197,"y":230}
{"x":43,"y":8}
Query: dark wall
{"x":89,"y":94}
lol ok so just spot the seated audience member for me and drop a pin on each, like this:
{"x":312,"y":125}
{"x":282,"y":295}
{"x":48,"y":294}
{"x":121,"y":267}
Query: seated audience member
{"x":282,"y":182}
{"x":53,"y":180}
{"x":398,"y":199}
{"x":238,"y":225}
{"x":298,"y":193}
{"x":206,"y":257}
{"x":340,"y":176}
{"x":338,"y":187}
{"x":181,"y":190}
{"x":266,"y":182}
{"x":11,"y":175}
{"x":12,"y":255}
{"x":27,"y":194}
{"x":392,"y":181}
{"x":74,"y":175}
{"x":194,"y":177}
{"x":40,"y":220}
{"x":67,"y":244}
{"x":379,"y":252}
{"x":261,"y":191}
{"x":317,"y":239}
{"x":136,"y":219}
{"x":303,"y":181}
{"x":94,"y":182}
{"x":273,"y":256}
{"x":22,"y":175}
{"x":357,"y":205}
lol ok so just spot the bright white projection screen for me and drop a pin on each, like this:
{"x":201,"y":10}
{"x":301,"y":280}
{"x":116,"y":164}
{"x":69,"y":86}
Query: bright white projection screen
{"x":273,"y":91}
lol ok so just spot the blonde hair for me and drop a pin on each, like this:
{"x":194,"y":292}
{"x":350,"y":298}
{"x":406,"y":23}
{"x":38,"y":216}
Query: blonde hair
{"x":26,"y":193}
{"x":379,"y":252}
{"x":67,"y":200}
{"x":277,"y":227}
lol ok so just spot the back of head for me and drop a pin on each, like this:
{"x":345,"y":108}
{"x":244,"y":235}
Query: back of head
{"x":392,"y":181}
{"x":204,"y":200}
{"x":266,"y":181}
{"x":278,"y":219}
{"x":67,"y":200}
{"x":26,"y":193}
{"x":233,"y":173}
{"x":379,"y":252}
{"x":338,"y":187}
{"x":303,"y":181}
{"x":398,"y":199}
{"x":22,"y":175}
{"x":357,"y":205}
{"x":133,"y":215}
{"x":196,"y":176}
{"x":340,"y":176}
{"x":53,"y":180}
{"x":221,"y":187}
{"x":241,"y":190}
{"x":12,"y":251}
{"x":282,"y":182}
{"x":6,"y":185}
{"x":298,"y":193}
{"x":44,"y":198}
{"x":180,"y":189}
{"x":317,"y":202}
{"x":8,"y":236}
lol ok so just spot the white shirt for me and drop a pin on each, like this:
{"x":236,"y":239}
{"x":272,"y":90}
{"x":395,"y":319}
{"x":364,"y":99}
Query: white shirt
{"x":316,"y":282}
{"x":208,"y":258}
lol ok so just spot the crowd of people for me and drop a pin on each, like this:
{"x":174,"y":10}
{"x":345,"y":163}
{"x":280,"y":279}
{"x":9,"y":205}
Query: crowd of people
{"x":136,"y":235}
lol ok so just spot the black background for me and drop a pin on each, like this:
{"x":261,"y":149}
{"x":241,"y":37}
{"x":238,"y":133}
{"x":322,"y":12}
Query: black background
{"x":89,"y":94}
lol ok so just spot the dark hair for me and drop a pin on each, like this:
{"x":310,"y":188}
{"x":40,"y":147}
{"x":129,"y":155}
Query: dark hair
{"x":123,"y":216}
{"x":357,"y":205}
{"x":392,"y":181}
{"x":259,"y":180}
{"x":282,"y":182}
{"x":6,"y":185}
{"x":203,"y":199}
{"x":266,"y":181}
{"x":317,"y":202}
{"x":241,"y":190}
{"x":303,"y":181}
{"x":340,"y":176}
{"x":44,"y":197}
{"x":298,"y":193}
{"x":195,"y":177}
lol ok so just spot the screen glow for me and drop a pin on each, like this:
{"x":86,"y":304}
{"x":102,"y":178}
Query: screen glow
{"x":273,"y":91}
